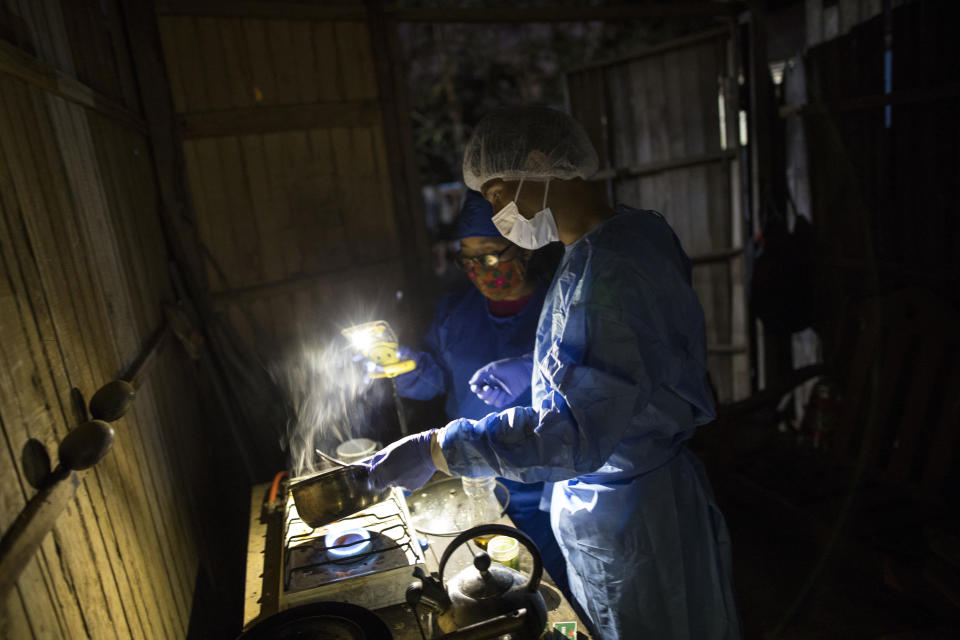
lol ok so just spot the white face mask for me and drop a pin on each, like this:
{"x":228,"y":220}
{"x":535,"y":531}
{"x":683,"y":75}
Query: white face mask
{"x":537,"y":232}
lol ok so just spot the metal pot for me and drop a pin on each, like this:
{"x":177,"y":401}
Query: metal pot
{"x":330,"y":495}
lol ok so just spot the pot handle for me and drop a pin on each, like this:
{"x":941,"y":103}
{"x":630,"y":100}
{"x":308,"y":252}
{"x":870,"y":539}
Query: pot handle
{"x":503,"y":530}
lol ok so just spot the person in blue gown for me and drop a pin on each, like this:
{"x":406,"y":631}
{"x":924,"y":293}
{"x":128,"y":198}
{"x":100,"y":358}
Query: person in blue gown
{"x":619,"y":384}
{"x":479,"y":349}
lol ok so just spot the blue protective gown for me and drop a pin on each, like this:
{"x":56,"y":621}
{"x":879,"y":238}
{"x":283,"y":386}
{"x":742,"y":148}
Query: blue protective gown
{"x":619,"y":385}
{"x":465,"y":336}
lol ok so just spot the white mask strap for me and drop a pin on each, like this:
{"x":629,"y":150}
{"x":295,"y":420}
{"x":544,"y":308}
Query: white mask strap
{"x":517,"y":194}
{"x":546,"y":190}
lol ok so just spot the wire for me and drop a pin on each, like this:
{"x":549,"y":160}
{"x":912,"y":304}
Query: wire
{"x":275,"y":486}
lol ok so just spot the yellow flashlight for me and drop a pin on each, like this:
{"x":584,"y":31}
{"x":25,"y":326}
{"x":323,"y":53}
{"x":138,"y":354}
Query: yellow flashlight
{"x":377,"y":342}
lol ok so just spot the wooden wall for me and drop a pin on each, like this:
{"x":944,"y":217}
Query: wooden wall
{"x":293,"y":165}
{"x":83,"y":274}
{"x":655,"y":121}
{"x":885,"y":191}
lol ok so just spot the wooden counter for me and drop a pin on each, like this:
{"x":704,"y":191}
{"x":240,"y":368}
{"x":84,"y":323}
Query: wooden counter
{"x":263,"y":566}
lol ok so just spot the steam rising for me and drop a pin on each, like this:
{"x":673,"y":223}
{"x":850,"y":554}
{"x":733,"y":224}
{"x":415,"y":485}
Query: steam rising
{"x":331,"y":401}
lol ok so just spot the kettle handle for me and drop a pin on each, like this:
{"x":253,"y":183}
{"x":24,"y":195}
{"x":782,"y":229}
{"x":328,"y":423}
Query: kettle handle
{"x":503,"y":530}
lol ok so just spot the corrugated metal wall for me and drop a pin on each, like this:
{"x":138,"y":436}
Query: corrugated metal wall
{"x":282,"y":123}
{"x":656,"y":122}
{"x":83,"y":273}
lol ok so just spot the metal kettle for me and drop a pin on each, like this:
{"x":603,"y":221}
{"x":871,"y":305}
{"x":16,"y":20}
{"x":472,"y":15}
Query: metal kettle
{"x":487,"y":594}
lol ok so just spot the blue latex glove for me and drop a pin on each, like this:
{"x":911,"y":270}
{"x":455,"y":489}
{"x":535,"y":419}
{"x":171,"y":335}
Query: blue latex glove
{"x":405,"y":463}
{"x":501,"y":382}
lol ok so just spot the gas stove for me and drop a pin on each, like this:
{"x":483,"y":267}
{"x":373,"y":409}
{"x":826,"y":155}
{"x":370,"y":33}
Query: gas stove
{"x":366,"y":559}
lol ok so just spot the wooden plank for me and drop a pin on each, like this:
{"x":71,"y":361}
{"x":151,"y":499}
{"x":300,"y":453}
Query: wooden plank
{"x":207,"y":179}
{"x":171,"y":54}
{"x":301,"y":11}
{"x":264,"y":83}
{"x":275,"y":218}
{"x":242,"y":229}
{"x":40,"y":37}
{"x":212,"y":65}
{"x":176,"y":217}
{"x":238,"y":71}
{"x":327,"y":230}
{"x":657,"y":104}
{"x":91,"y":44}
{"x":300,"y":187}
{"x":640,"y":90}
{"x":179,"y":561}
{"x":87,"y":198}
{"x":13,"y":616}
{"x":123,"y":64}
{"x":62,"y":56}
{"x":261,"y":206}
{"x":329,"y":73}
{"x":301,"y":45}
{"x":185,"y":55}
{"x":356,"y":59}
{"x":283,"y":62}
{"x":41,"y":620}
{"x":198,"y":198}
{"x":109,"y":150}
{"x":138,"y":192}
{"x":236,"y":122}
{"x":342,"y":142}
{"x":375,"y":227}
{"x":72,"y":556}
{"x":86,"y":184}
{"x":17,"y":63}
{"x":39,"y":305}
{"x":107,"y":553}
{"x":616,"y":83}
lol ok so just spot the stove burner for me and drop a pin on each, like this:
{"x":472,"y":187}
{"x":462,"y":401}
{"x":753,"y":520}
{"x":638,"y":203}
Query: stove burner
{"x":344,"y":544}
{"x":366,"y":558}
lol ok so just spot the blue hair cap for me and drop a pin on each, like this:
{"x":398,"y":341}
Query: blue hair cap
{"x":476,"y":218}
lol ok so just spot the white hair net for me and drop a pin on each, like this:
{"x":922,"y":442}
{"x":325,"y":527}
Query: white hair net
{"x":502,"y":142}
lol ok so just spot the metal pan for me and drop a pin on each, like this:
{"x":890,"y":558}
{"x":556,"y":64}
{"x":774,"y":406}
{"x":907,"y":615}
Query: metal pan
{"x":321,"y":620}
{"x":330,"y":495}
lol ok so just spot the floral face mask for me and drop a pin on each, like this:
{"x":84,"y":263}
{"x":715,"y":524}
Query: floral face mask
{"x":496,"y":283}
